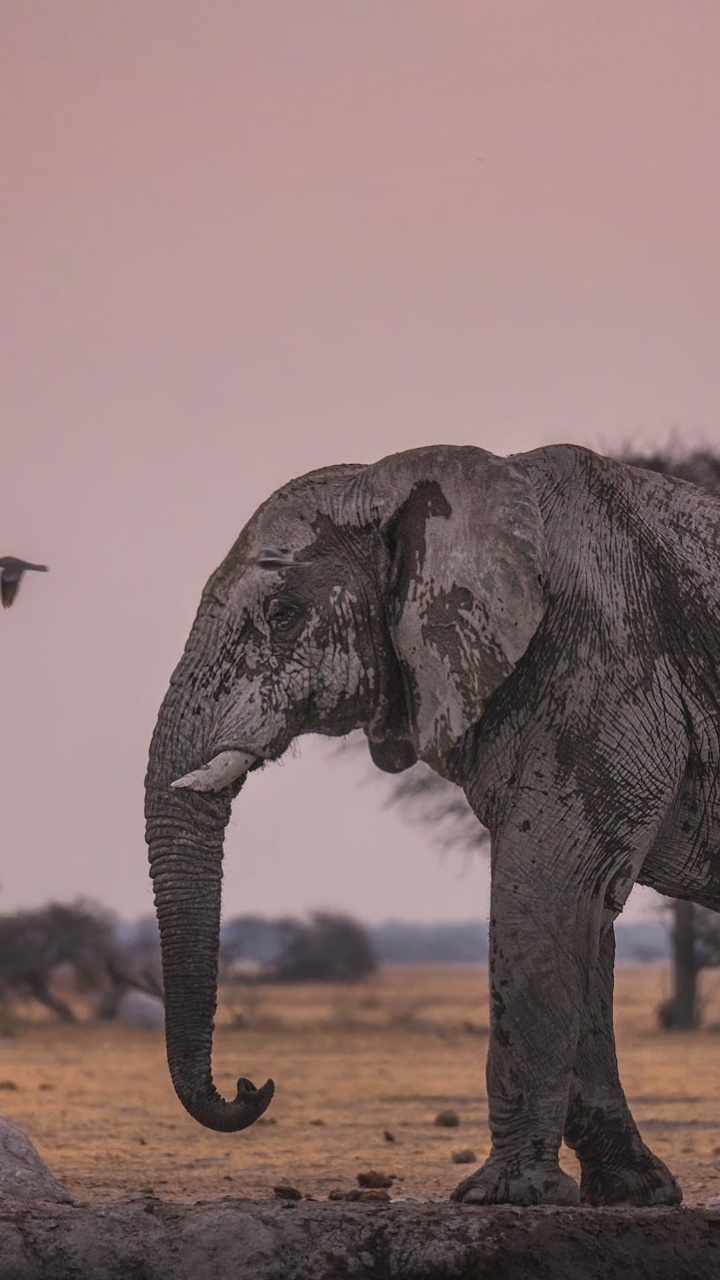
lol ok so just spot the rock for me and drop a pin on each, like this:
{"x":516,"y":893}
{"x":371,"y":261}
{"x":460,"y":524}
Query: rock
{"x":23,"y":1175}
{"x":388,"y":1136}
{"x":466,"y":1156}
{"x":9,"y":1085}
{"x":371,"y":1178}
{"x":242,"y":1240}
{"x":447,"y":1119}
{"x":285,"y":1192}
{"x":139,"y":1009}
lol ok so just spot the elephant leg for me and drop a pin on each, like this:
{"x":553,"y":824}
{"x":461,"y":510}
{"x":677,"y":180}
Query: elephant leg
{"x":616,"y":1165}
{"x":543,"y":944}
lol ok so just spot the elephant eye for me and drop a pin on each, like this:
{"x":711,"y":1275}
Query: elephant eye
{"x":281,"y":615}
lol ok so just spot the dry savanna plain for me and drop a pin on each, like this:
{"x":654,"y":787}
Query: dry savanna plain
{"x":361,"y":1073}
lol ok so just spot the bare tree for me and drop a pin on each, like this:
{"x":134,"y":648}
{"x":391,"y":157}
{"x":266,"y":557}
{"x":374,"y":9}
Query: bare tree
{"x":327,"y":948}
{"x":425,"y":797}
{"x":132,"y":963}
{"x":695,"y":946}
{"x":79,"y":936}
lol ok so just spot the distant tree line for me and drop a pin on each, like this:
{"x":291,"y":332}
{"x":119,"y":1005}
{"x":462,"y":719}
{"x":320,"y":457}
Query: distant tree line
{"x":326,"y":947}
{"x":255,"y":941}
{"x":60,"y":951}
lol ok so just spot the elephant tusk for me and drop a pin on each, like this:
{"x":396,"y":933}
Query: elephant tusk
{"x":218,"y":772}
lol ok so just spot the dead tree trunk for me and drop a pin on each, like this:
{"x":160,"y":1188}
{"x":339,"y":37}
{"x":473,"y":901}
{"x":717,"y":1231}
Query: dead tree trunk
{"x":685,"y":967}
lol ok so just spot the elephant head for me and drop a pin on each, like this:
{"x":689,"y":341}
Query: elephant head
{"x":396,"y":598}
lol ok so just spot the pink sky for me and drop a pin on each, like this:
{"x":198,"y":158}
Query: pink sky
{"x":247,"y":238}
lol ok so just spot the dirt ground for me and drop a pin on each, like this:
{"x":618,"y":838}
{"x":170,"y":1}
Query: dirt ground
{"x":157,"y":1196}
{"x":350,"y":1064}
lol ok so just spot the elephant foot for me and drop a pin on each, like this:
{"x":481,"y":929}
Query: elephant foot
{"x":645,"y":1181}
{"x":502,"y":1182}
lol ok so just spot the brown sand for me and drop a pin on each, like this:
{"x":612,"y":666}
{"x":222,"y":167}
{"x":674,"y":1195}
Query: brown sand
{"x":388,"y":1054}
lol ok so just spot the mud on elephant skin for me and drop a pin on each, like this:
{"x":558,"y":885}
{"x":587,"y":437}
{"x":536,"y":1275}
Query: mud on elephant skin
{"x":542,"y":630}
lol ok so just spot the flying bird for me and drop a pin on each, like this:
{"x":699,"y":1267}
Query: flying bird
{"x":11,"y":571}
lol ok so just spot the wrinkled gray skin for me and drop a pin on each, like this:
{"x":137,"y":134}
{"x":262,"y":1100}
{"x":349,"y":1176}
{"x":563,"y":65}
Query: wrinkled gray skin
{"x":543,"y":630}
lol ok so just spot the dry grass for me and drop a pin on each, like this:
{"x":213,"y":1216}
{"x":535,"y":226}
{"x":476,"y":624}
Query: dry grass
{"x":385,"y":1055}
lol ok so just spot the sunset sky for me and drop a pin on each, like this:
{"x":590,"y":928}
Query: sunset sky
{"x":244,"y":238}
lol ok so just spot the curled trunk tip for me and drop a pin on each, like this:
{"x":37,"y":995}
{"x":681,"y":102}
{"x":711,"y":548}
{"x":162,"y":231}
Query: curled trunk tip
{"x":214,"y":1112}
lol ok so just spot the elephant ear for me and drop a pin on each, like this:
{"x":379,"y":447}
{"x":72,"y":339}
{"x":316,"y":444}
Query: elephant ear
{"x":467,"y":554}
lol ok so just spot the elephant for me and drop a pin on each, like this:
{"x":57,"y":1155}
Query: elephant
{"x":542,"y":630}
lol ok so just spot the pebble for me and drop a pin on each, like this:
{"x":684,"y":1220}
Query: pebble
{"x":447,"y":1119}
{"x":371,"y":1178}
{"x":286,"y":1192}
{"x":466,"y":1156}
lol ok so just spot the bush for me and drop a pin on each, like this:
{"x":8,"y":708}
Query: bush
{"x":327,"y":948}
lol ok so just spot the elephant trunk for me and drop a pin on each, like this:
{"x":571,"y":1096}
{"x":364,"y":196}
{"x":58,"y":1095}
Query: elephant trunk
{"x":185,"y":832}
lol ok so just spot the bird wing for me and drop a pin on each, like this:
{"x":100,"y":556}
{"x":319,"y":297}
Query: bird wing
{"x":12,"y":562}
{"x":9,"y":583}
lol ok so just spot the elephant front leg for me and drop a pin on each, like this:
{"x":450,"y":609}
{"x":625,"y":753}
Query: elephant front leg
{"x":617,"y":1167}
{"x":539,"y":957}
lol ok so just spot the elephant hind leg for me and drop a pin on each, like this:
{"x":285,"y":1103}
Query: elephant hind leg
{"x":616,"y":1165}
